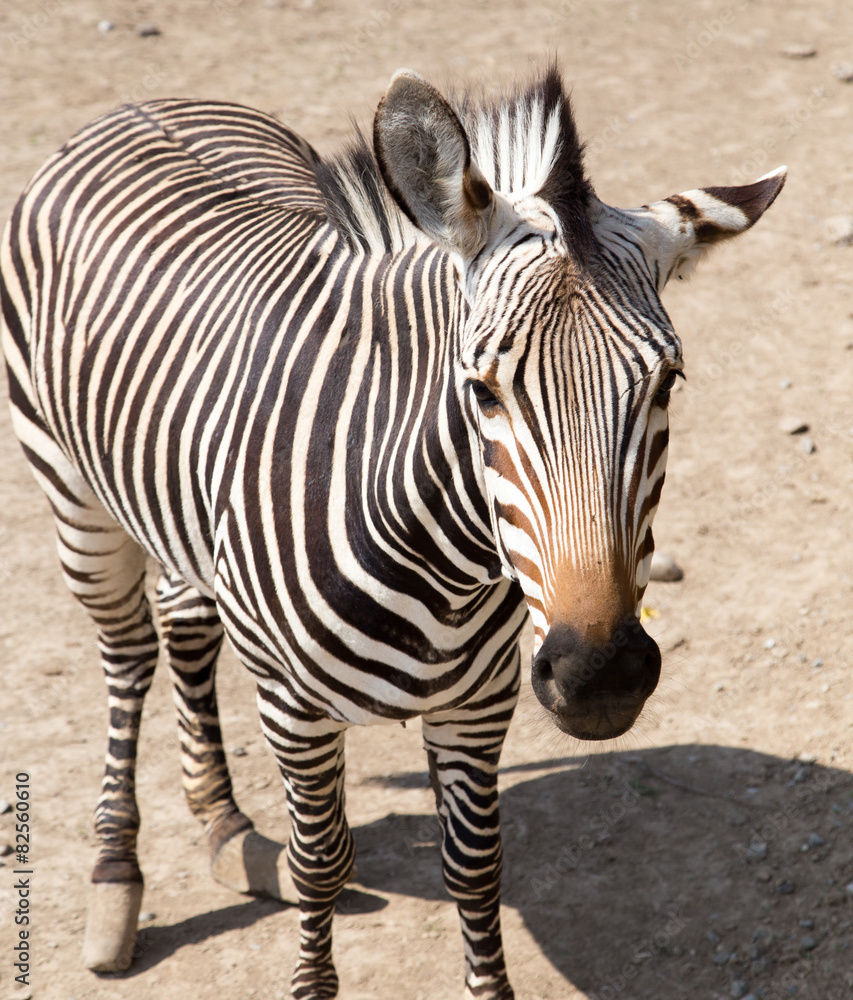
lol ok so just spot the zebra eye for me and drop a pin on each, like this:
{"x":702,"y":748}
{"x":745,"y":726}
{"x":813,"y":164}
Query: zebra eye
{"x":665,"y":388}
{"x":483,"y":394}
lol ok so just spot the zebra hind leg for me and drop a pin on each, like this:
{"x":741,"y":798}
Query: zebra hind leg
{"x":105,"y":569}
{"x":241,"y":858}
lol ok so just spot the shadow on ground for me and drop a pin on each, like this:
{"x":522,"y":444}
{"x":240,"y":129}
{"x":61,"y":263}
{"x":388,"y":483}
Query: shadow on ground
{"x":673,"y":873}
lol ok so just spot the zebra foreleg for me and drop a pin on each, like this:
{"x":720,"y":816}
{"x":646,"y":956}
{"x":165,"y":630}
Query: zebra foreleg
{"x":241,"y":858}
{"x":321,"y":850}
{"x":463,"y":753}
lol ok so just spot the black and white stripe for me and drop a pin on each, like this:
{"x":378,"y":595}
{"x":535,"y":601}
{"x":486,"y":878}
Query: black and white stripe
{"x":366,"y":432}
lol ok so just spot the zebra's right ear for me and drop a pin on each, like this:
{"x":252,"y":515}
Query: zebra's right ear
{"x":425,"y":159}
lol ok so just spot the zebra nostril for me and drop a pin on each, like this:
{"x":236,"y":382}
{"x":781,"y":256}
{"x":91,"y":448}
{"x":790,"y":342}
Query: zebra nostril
{"x":543,"y":681}
{"x":545,"y":671}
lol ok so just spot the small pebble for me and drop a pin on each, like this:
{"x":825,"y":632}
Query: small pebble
{"x":785,"y":383}
{"x":843,"y":72}
{"x":756,"y":851}
{"x":793,"y":425}
{"x":148,"y":30}
{"x":145,"y":916}
{"x":785,"y":887}
{"x":770,"y":643}
{"x":721,"y":957}
{"x":808,"y":943}
{"x":5,"y":806}
{"x":807,"y":925}
{"x":849,"y":888}
{"x":817,"y":663}
{"x":815,"y":840}
{"x":713,"y":937}
{"x":764,"y":875}
{"x":738,"y":989}
{"x":838,"y":230}
{"x":6,"y":850}
{"x":105,"y":27}
{"x":798,"y":51}
{"x":239,"y":752}
{"x":665,"y":569}
{"x":807,"y":446}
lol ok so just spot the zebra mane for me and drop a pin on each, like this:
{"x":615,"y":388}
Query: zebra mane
{"x":525,"y":143}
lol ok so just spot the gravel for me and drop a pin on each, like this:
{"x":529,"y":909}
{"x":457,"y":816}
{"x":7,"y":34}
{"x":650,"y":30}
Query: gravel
{"x":757,"y":851}
{"x":793,"y":425}
{"x":5,"y":806}
{"x":838,"y":230}
{"x":665,"y":569}
{"x":798,"y":50}
{"x":843,"y":72}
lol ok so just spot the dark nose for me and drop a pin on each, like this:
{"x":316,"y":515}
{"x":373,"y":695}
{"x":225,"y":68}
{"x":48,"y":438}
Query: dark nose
{"x":596,"y":692}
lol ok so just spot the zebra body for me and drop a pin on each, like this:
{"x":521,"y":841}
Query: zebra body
{"x":367,"y":414}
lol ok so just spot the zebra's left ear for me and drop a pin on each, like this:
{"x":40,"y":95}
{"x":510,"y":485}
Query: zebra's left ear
{"x":425,"y":159}
{"x":681,"y":229}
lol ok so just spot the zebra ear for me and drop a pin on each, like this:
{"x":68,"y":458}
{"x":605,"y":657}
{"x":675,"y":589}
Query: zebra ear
{"x":681,"y":229}
{"x":425,"y":159}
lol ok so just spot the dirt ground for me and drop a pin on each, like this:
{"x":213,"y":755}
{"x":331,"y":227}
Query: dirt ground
{"x":708,"y":853}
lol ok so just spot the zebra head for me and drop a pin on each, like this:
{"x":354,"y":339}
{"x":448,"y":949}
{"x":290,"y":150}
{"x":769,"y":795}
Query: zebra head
{"x":566,"y":361}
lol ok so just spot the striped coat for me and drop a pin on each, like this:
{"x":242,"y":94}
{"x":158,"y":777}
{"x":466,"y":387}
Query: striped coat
{"x":368,"y":413}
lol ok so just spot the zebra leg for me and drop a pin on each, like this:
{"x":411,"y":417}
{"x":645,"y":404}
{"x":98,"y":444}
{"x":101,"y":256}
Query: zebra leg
{"x":321,"y":849}
{"x":463,"y":748}
{"x":105,"y":570}
{"x":241,"y":858}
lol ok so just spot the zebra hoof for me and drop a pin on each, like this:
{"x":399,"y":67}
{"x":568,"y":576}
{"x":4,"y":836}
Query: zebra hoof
{"x":251,"y":863}
{"x":501,"y":990}
{"x":111,"y":925}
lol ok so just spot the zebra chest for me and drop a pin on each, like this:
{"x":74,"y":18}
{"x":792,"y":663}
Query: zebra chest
{"x":365,"y":641}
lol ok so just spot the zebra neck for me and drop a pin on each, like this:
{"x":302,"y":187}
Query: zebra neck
{"x":420,"y":455}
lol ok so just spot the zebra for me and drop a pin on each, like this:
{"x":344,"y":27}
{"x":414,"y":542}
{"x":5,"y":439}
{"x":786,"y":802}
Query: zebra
{"x":368,"y":412}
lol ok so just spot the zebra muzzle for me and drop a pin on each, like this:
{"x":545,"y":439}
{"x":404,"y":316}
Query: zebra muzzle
{"x":596,"y":691}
